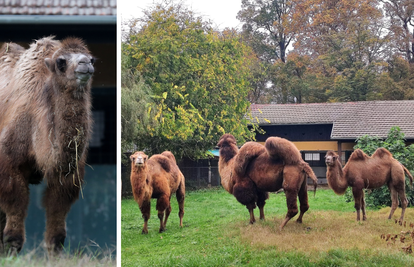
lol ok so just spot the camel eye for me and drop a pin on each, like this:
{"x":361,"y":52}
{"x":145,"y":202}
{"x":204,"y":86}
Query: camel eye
{"x":61,"y":64}
{"x":93,"y":61}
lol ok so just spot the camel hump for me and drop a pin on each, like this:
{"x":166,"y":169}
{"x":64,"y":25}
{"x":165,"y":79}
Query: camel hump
{"x":358,"y":154}
{"x":163,"y":161}
{"x":282,"y":149}
{"x":381,"y":153}
{"x":248,"y":152}
{"x":10,"y":53}
{"x":169,"y":155}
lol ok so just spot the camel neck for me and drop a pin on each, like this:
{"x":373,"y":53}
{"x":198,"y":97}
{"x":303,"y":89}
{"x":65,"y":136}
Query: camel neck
{"x":336,"y":179}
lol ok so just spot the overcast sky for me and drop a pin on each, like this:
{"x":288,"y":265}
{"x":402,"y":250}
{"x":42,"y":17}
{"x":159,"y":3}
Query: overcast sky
{"x":222,"y":12}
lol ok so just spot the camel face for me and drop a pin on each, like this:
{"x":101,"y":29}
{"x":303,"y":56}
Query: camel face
{"x":330,"y":159}
{"x":139,"y":159}
{"x":76,"y":66}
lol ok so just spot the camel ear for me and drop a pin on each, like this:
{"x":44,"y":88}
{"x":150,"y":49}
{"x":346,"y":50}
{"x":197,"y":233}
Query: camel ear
{"x":49,"y":64}
{"x":131,"y":157}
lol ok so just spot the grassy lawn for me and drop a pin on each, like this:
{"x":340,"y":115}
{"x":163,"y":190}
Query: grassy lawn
{"x":39,"y":258}
{"x":216,"y":233}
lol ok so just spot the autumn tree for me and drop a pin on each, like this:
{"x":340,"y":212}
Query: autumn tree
{"x":400,"y":14}
{"x":198,"y":78}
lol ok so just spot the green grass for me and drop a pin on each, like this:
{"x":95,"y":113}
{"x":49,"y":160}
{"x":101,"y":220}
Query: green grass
{"x":84,"y":257}
{"x":216,"y":233}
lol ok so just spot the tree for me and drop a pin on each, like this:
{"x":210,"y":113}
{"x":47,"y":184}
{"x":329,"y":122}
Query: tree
{"x":400,"y":13}
{"x":405,"y":154}
{"x":198,"y":77}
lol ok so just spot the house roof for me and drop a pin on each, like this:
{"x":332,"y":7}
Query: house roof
{"x":350,"y":120}
{"x":58,"y":7}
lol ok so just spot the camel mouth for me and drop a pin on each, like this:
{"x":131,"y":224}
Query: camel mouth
{"x":83,"y":78}
{"x":329,"y":162}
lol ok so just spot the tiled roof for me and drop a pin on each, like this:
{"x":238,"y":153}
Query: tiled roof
{"x":58,"y":7}
{"x":350,"y":120}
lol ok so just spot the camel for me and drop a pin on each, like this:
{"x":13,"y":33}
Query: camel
{"x":157,"y":177}
{"x":364,"y":172}
{"x":250,"y":173}
{"x":45,"y":128}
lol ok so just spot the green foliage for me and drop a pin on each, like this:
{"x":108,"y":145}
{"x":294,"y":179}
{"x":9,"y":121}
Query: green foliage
{"x":405,"y":154}
{"x":199,"y":79}
{"x":135,"y":101}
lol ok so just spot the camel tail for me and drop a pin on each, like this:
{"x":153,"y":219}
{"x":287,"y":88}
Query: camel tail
{"x":308,"y":170}
{"x":247,"y":153}
{"x":407,"y":172}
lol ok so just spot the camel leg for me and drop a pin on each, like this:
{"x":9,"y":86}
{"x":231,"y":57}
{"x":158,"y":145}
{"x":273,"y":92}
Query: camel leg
{"x":14,"y":202}
{"x":303,"y":200}
{"x":162,"y":205}
{"x":246,"y":193}
{"x":2,"y":226}
{"x":291,"y":200}
{"x":145,"y":208}
{"x":404,"y":201}
{"x":358,"y":193}
{"x":261,"y":201}
{"x":180,"y":195}
{"x":364,"y":216}
{"x":57,"y":200}
{"x":251,"y":207}
{"x":394,"y":201}
{"x":167,"y":214}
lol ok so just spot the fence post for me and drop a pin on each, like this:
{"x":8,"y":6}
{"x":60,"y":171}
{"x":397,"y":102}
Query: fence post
{"x":209,"y":173}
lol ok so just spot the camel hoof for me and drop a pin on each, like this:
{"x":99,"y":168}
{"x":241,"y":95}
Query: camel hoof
{"x":144,"y":232}
{"x":56,"y":244}
{"x":162,"y":230}
{"x":13,"y":244}
{"x":298,"y":221}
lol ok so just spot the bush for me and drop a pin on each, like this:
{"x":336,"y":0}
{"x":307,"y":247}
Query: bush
{"x":395,"y":143}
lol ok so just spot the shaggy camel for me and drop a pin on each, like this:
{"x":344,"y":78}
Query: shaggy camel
{"x":364,"y":172}
{"x":44,"y":132}
{"x":157,"y":177}
{"x":250,"y":173}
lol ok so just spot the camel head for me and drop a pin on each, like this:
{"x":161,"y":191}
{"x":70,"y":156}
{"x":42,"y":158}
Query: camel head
{"x":226,"y":140}
{"x":138,"y":159}
{"x":72,"y":65}
{"x":331,"y":158}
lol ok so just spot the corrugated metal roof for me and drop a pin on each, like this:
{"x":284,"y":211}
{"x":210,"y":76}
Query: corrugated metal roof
{"x":350,"y":120}
{"x":58,"y":7}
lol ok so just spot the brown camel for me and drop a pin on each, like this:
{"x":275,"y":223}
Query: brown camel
{"x":250,"y":173}
{"x":364,"y":172}
{"x":157,"y":177}
{"x":44,"y":132}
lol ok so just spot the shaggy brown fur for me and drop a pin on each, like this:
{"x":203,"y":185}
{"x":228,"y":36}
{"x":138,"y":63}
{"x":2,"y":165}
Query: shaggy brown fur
{"x":157,"y":177}
{"x":250,"y":173}
{"x":283,"y":149}
{"x":44,"y":132}
{"x":364,"y":172}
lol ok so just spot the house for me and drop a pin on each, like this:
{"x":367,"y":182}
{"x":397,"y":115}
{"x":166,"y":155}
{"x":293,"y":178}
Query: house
{"x":319,"y":127}
{"x":93,"y":216}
